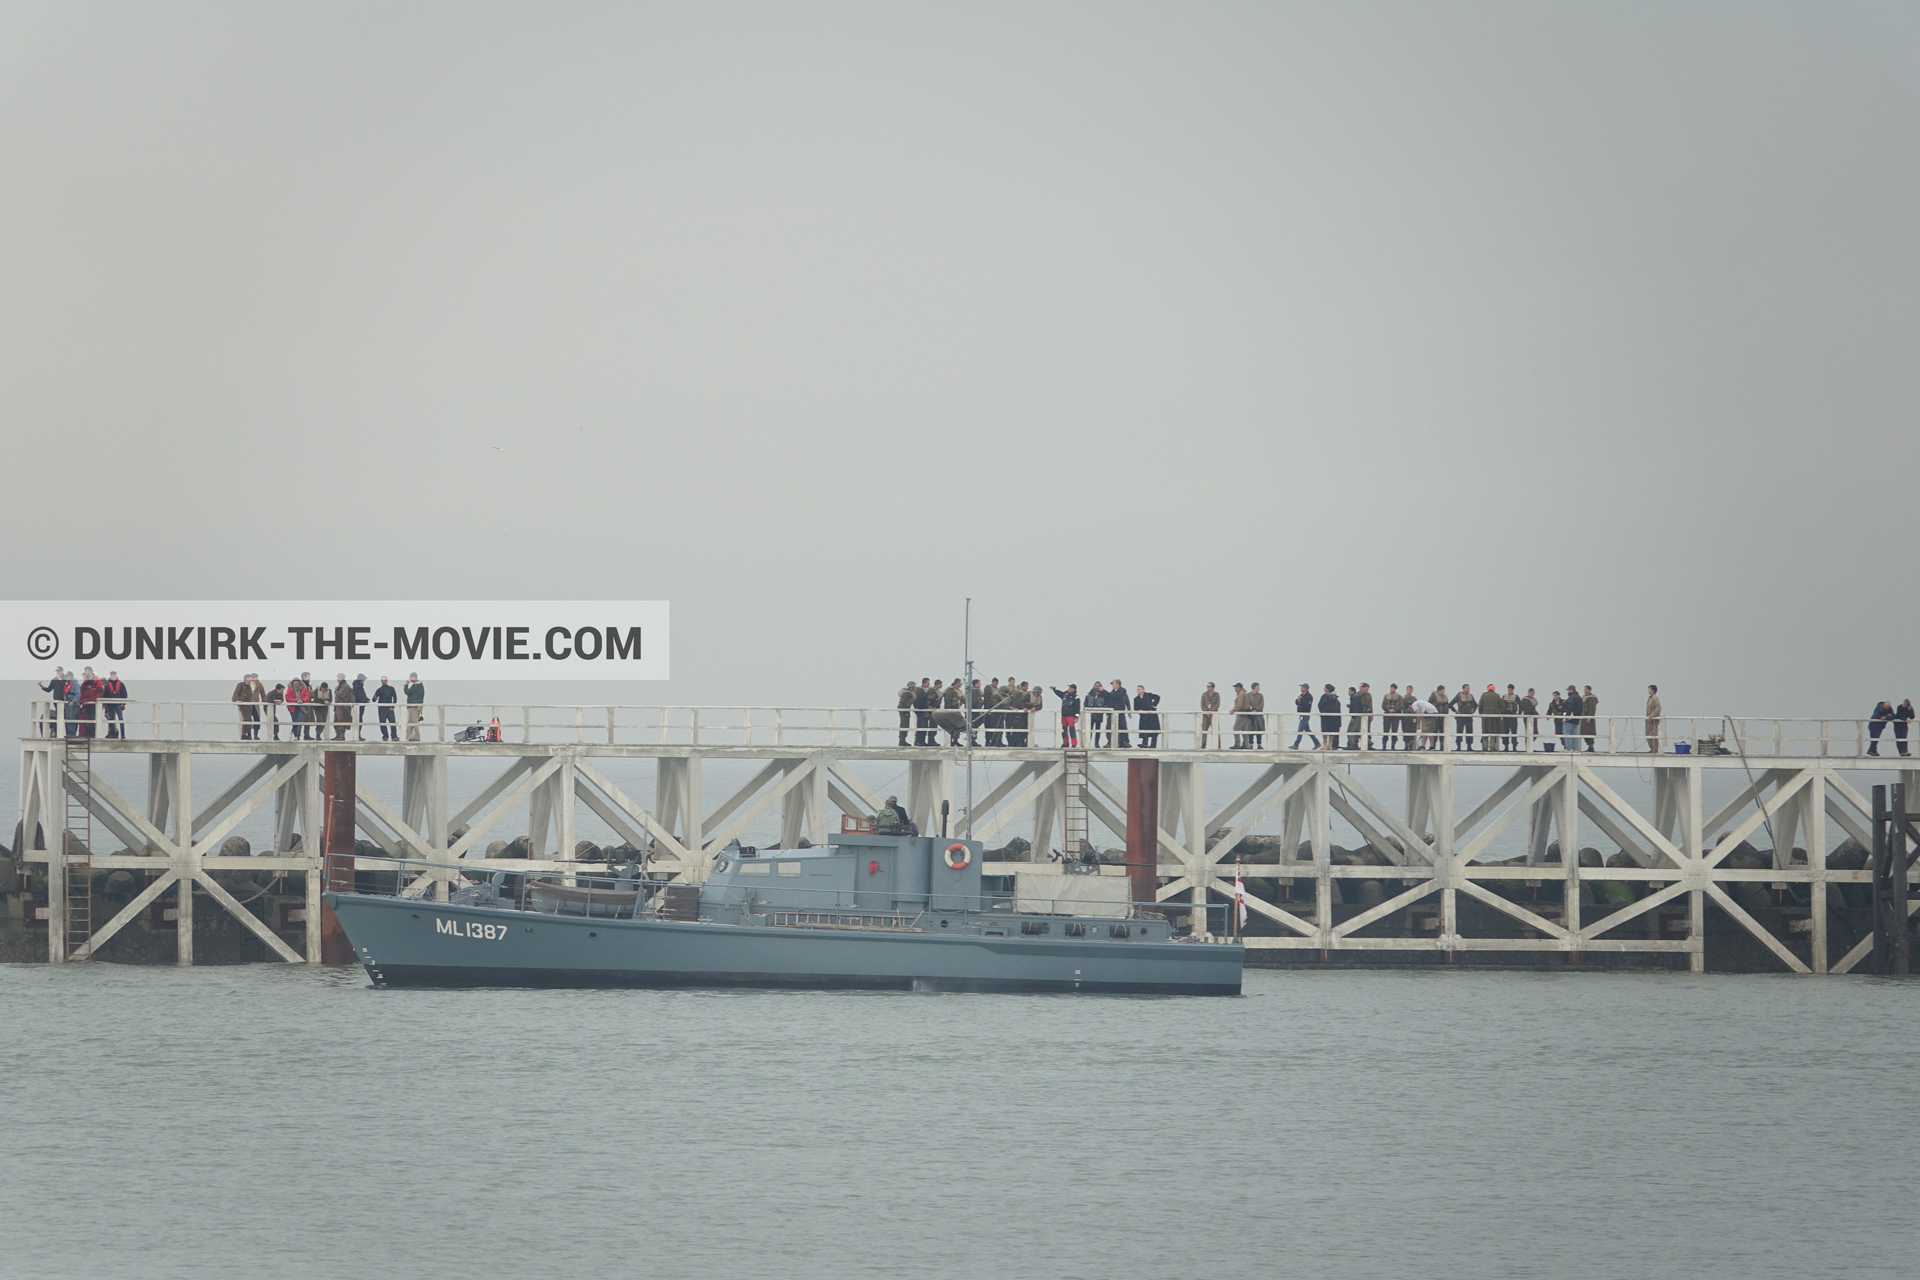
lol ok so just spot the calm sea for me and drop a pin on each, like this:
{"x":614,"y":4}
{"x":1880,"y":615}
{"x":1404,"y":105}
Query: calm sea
{"x":284,"y":1121}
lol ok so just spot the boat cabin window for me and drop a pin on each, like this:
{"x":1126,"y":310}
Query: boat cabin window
{"x":754,"y":868}
{"x":1076,"y":930}
{"x":1117,"y":931}
{"x":789,"y":868}
{"x":722,"y":866}
{"x":1035,"y":926}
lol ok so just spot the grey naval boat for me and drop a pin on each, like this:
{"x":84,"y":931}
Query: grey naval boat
{"x":866,"y":911}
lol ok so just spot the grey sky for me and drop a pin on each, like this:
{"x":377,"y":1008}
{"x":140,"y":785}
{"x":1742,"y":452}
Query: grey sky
{"x":1437,"y":342}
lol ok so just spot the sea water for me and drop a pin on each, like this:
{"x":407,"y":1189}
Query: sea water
{"x":271,"y":1120}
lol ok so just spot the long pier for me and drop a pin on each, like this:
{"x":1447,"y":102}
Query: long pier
{"x":1416,"y":884}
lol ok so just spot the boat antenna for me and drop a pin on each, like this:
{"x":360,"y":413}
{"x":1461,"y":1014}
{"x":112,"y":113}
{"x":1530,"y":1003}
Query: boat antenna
{"x":966,"y":657}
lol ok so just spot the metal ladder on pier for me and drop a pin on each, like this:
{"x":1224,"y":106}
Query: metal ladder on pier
{"x":78,"y":831}
{"x":1074,"y":813}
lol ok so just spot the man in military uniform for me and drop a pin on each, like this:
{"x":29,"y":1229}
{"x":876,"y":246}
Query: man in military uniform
{"x":923,"y":704}
{"x":1529,"y":722}
{"x":1464,"y":705}
{"x":1361,"y":727}
{"x":1390,"y":705}
{"x":1257,"y":717}
{"x":1591,"y":701}
{"x":907,"y":692}
{"x":1241,"y":720}
{"x":1490,"y":719}
{"x":1029,"y":703}
{"x":988,"y":702}
{"x":1509,"y":720}
{"x":1209,"y":703}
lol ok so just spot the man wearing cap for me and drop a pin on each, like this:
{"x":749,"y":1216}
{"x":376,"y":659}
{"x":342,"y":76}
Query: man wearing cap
{"x":1257,"y":717}
{"x":1391,"y":704}
{"x":1241,"y":720}
{"x":1304,"y":705}
{"x":1464,"y":705}
{"x":1360,"y":727}
{"x":360,"y":707}
{"x":1209,"y":703}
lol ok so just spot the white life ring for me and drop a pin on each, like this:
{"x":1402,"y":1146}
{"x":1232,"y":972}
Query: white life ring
{"x":957,"y":856}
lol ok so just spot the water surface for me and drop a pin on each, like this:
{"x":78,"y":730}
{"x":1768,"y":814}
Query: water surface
{"x":268,"y":1120}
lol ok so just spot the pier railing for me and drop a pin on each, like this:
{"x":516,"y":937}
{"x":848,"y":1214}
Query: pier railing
{"x":883,"y":727}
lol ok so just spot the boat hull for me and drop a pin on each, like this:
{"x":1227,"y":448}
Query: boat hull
{"x":403,"y":943}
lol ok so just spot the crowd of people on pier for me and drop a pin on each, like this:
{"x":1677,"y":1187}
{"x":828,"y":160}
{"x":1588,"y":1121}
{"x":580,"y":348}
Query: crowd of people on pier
{"x":998,"y":713}
{"x":82,"y":702}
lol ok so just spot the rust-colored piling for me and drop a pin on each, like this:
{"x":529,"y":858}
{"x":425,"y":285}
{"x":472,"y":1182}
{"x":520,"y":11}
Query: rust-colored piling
{"x":336,"y":845}
{"x":1143,"y":828}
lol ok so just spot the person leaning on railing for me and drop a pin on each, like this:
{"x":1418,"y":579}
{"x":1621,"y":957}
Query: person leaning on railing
{"x":1877,"y":724}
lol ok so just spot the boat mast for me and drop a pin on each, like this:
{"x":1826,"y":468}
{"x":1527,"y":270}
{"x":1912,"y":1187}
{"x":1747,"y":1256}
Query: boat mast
{"x":966,"y":656}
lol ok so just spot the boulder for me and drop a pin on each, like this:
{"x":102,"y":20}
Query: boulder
{"x":235,"y":847}
{"x":497,"y":849}
{"x":586,"y":851}
{"x":1014,"y":850}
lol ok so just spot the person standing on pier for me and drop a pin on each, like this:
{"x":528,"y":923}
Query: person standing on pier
{"x":1117,"y":698}
{"x":1257,"y":717}
{"x":923,"y":713}
{"x":1303,"y":703}
{"x":342,"y":708}
{"x":1570,"y":725}
{"x":1391,"y":704}
{"x":297,"y":695}
{"x":1529,"y":720}
{"x":1590,"y":702}
{"x":319,"y":708}
{"x":1489,"y":709}
{"x":991,"y":698}
{"x":905,"y":703}
{"x":1023,"y":718}
{"x":1902,"y":717}
{"x":1464,"y":706}
{"x":1241,"y":720}
{"x":385,"y":697}
{"x":276,"y":698}
{"x":1209,"y":704}
{"x":248,"y":695}
{"x":1510,"y":720}
{"x":1360,"y":727}
{"x":1653,"y":719}
{"x":1330,"y":718}
{"x":1148,"y":705}
{"x":1877,"y":724}
{"x":360,"y":701}
{"x":113,"y":696}
{"x":417,"y":701}
{"x":1069,"y":715}
{"x":88,"y":701}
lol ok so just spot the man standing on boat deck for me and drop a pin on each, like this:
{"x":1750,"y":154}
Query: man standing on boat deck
{"x":416,"y":704}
